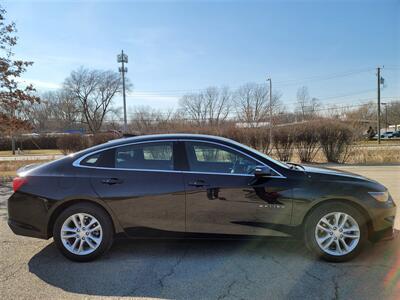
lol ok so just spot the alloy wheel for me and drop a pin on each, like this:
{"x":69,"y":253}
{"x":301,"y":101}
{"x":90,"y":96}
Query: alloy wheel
{"x":81,"y":234}
{"x":337,"y":233}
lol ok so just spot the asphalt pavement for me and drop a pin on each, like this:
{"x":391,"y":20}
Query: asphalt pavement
{"x":265,"y":268}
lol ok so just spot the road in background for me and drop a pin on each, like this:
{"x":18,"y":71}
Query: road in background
{"x":185,"y":269}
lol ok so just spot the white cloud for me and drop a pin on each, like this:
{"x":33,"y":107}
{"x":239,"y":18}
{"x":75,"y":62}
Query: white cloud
{"x":39,"y":84}
{"x":155,"y":100}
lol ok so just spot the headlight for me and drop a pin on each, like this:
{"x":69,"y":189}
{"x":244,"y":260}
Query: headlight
{"x":380,"y":196}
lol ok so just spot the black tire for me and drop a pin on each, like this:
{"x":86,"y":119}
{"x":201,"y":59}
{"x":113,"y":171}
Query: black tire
{"x":315,"y":216}
{"x":102,"y":217}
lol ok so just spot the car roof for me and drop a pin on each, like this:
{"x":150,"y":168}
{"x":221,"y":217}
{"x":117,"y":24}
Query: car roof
{"x":168,"y":136}
{"x":154,"y":137}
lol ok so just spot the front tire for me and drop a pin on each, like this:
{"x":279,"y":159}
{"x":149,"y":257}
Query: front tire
{"x":83,"y":232}
{"x":336,"y":231}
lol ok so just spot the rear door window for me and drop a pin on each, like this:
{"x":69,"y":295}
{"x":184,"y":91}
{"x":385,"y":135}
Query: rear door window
{"x":147,"y":156}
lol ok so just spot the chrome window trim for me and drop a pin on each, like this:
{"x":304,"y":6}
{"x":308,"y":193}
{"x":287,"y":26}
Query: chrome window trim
{"x":76,"y":163}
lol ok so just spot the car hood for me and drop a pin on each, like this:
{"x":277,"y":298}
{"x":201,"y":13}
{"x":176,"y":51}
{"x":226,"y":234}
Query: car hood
{"x":322,"y":173}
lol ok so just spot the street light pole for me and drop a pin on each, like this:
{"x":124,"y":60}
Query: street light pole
{"x":270,"y":111}
{"x":123,"y":58}
{"x":386,"y":120}
{"x":379,"y":105}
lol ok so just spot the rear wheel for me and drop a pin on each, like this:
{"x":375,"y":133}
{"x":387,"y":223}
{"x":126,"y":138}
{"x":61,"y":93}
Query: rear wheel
{"x":336,"y":231}
{"x":83,"y":232}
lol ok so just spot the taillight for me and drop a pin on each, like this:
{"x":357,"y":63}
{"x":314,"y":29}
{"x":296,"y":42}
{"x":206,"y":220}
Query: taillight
{"x":18,"y":182}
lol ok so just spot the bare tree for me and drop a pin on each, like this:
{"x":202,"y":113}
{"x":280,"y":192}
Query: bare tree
{"x":94,"y":90}
{"x":209,"y":106}
{"x":306,"y":105}
{"x":145,"y":119}
{"x":66,"y":109}
{"x":41,"y":115}
{"x":252,"y":104}
{"x":192,"y":106}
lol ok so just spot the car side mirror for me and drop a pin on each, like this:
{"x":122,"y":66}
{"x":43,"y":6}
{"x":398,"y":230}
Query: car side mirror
{"x":262,"y":171}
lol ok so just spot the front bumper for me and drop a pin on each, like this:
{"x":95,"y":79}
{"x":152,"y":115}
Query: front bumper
{"x":383,"y":217}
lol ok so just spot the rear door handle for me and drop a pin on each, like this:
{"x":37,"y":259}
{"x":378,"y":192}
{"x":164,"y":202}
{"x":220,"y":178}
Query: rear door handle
{"x":198,"y":183}
{"x":112,"y":181}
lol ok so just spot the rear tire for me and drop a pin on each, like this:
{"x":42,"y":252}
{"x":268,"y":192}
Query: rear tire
{"x":83,"y":232}
{"x":335,"y":231}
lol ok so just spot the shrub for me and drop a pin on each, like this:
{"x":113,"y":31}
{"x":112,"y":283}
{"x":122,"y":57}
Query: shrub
{"x":306,"y":141}
{"x":283,"y":142}
{"x":101,"y":138}
{"x":29,"y":143}
{"x":72,"y":143}
{"x":336,"y":139}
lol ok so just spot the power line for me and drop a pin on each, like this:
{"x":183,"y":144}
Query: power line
{"x":179,"y":92}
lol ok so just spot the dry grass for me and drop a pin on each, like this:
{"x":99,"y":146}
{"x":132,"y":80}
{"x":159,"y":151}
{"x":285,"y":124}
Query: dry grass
{"x":9,"y":168}
{"x":358,"y":155}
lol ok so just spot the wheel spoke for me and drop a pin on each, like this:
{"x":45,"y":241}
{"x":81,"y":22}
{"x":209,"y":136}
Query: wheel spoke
{"x":346,"y":247}
{"x":351,"y":229}
{"x":68,"y":229}
{"x":326,"y":222}
{"x":75,"y":244}
{"x":323,"y":239}
{"x":329,"y":243}
{"x":92,"y":222}
{"x":98,"y":227}
{"x":81,"y":220}
{"x":344,"y":220}
{"x":75,"y":221}
{"x":352,"y":236}
{"x":95,"y":239}
{"x":337,"y":217}
{"x":323,"y":228}
{"x":338,"y":248}
{"x":68,"y":236}
{"x":80,"y":245}
{"x":89,"y":242}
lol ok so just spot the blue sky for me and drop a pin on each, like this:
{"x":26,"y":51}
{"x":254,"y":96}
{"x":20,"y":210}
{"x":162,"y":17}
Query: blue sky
{"x":181,"y":46}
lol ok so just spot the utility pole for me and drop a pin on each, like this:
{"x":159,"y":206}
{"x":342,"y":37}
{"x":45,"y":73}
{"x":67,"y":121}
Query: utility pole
{"x":379,"y":105}
{"x":386,"y":120}
{"x":123,"y":58}
{"x":270,"y":111}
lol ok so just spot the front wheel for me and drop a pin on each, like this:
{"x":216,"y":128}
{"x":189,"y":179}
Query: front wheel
{"x":83,"y":232}
{"x":335,"y":231}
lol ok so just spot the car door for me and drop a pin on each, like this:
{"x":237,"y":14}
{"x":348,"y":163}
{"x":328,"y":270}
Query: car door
{"x":143,"y":189}
{"x":224,"y":197}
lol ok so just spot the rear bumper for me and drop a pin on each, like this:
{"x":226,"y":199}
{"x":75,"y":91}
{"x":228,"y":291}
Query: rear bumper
{"x":28,"y":215}
{"x":26,"y":230}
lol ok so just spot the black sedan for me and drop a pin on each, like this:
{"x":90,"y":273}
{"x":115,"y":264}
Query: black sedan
{"x":185,"y":185}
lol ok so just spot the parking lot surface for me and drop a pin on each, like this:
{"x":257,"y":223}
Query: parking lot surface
{"x":267,"y":268}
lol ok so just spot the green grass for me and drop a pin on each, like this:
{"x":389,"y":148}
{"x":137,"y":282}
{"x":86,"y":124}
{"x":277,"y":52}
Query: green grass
{"x":33,"y":152}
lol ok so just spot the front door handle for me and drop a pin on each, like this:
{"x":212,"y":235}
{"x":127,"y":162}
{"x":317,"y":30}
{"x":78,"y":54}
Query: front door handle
{"x":198,"y":183}
{"x":112,"y":181}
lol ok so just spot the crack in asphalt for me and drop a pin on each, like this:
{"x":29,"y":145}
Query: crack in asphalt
{"x":228,"y":291}
{"x":335,"y":288}
{"x":12,"y":274}
{"x":173,"y":268}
